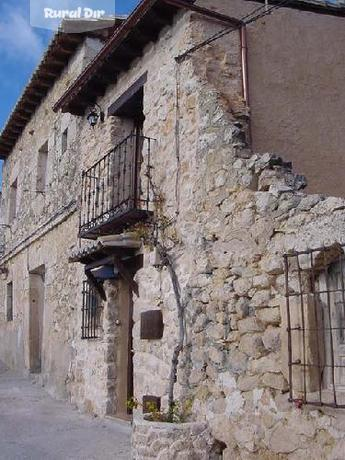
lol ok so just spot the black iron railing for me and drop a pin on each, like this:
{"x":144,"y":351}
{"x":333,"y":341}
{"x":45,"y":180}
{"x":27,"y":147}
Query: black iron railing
{"x":113,"y":195}
{"x":91,"y":312}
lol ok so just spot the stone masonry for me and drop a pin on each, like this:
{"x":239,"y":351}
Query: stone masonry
{"x":232,"y":215}
{"x":233,"y":223}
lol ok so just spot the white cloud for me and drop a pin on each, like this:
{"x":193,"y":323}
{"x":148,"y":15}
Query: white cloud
{"x":17,"y":38}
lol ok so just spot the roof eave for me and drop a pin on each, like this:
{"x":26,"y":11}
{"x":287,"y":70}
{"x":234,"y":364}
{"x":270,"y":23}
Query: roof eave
{"x":148,"y":12}
{"x":55,"y":59}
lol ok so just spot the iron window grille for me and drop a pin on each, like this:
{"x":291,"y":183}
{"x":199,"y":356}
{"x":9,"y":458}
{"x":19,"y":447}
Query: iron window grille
{"x":315,"y":300}
{"x":91,"y":312}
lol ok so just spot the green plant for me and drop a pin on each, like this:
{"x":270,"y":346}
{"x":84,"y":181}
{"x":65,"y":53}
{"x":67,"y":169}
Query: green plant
{"x":177,"y":412}
{"x":132,"y":403}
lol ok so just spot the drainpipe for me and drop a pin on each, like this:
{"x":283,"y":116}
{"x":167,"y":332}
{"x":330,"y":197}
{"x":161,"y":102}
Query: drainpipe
{"x":245,"y":85}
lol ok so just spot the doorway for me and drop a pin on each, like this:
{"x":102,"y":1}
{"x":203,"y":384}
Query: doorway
{"x":123,"y":344}
{"x":36,"y":318}
{"x":124,"y":351}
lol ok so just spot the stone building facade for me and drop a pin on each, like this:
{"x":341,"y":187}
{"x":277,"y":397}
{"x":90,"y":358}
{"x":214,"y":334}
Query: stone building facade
{"x":204,"y":243}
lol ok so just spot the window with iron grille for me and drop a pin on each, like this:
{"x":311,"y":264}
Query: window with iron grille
{"x":91,"y":312}
{"x":315,"y":299}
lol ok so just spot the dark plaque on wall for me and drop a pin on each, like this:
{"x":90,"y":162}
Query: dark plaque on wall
{"x":151,"y":325}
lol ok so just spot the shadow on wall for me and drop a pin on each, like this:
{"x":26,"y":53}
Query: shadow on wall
{"x":3,"y":368}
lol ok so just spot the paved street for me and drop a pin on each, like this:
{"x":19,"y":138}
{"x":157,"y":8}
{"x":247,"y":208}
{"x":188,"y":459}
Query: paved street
{"x":33,"y":426}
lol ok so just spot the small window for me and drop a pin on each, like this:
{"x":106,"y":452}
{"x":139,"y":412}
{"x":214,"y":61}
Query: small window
{"x":42,"y":163}
{"x":64,"y":141}
{"x":91,"y":312}
{"x":13,"y":201}
{"x":9,"y":302}
{"x":315,"y":293}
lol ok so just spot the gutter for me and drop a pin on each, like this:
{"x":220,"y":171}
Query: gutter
{"x":245,"y":79}
{"x":244,"y":62}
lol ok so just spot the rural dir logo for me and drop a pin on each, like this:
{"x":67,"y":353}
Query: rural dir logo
{"x":79,"y":13}
{"x":76,"y":15}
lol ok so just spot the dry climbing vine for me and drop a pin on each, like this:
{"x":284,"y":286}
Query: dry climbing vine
{"x":154,"y":234}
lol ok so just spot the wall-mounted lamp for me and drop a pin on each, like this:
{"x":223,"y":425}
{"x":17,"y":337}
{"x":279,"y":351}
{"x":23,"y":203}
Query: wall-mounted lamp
{"x":3,"y":272}
{"x":94,"y":115}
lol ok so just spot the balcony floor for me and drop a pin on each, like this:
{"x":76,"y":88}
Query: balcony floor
{"x":114,"y":224}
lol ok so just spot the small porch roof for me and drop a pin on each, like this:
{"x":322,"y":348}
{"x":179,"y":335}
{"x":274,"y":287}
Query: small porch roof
{"x":123,"y":245}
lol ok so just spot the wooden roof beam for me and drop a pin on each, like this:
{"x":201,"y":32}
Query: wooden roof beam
{"x":9,"y":136}
{"x":64,"y":51}
{"x":73,"y":39}
{"x":38,"y":92}
{"x":15,"y":129}
{"x":48,"y":73}
{"x":24,"y":117}
{"x":6,"y":144}
{"x":19,"y":121}
{"x":29,"y":105}
{"x":25,"y":112}
{"x":46,"y":83}
{"x":33,"y":100}
{"x":56,"y":61}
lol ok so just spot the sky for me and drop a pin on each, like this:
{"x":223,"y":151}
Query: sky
{"x":21,"y":48}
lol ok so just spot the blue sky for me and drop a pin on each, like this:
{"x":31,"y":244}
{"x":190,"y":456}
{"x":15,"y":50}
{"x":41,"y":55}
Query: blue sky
{"x":21,"y":48}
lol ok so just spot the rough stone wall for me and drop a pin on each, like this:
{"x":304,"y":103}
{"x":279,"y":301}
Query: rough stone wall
{"x":93,"y":373}
{"x":42,"y":234}
{"x":180,"y":173}
{"x":293,"y":97}
{"x":171,"y":442}
{"x":62,"y":306}
{"x":159,"y":101}
{"x":63,"y":168}
{"x":235,"y":214}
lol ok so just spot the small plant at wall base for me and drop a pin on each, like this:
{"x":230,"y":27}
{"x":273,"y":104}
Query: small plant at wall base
{"x":178,"y":414}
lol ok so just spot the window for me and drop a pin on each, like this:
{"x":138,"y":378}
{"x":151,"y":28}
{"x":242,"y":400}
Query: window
{"x":315,"y":293}
{"x":13,"y":201}
{"x":9,"y":302}
{"x":42,"y":163}
{"x":91,"y":311}
{"x":64,"y":141}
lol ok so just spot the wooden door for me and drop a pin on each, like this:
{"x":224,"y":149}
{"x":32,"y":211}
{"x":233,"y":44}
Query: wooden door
{"x":36,"y":318}
{"x":124,"y":353}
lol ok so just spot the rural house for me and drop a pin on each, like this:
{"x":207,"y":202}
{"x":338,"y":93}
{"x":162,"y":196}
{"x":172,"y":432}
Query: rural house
{"x":160,"y":252}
